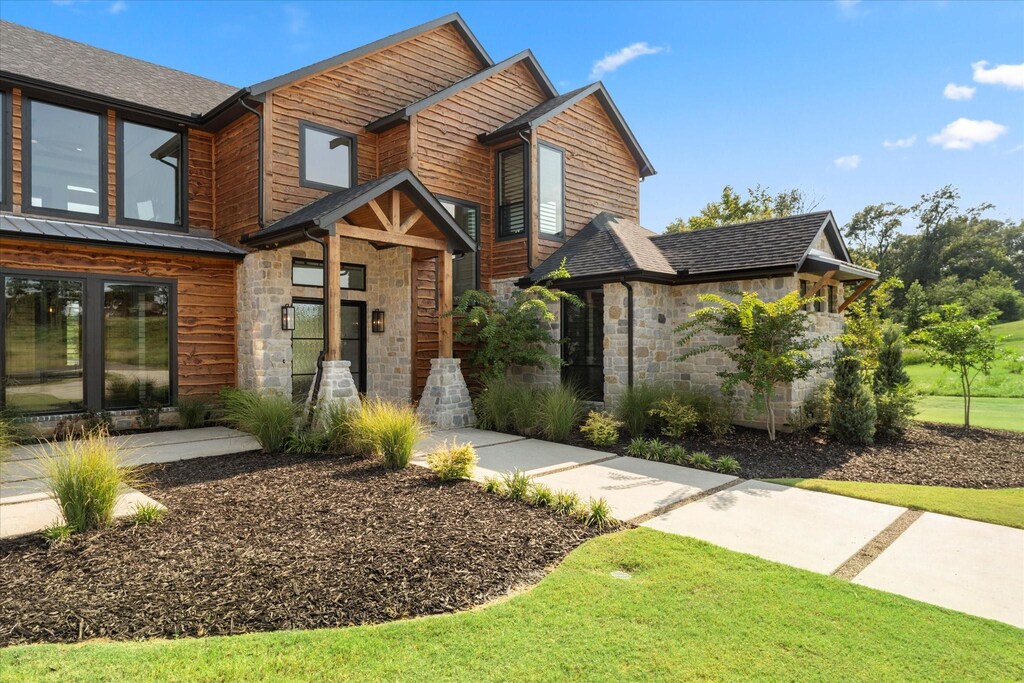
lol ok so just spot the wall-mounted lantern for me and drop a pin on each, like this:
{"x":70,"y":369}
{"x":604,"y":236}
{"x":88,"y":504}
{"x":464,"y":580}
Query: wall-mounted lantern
{"x":377,"y":321}
{"x":288,"y":317}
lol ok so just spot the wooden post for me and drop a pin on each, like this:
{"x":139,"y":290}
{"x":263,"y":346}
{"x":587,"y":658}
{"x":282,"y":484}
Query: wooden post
{"x":444,"y":304}
{"x":332,"y":297}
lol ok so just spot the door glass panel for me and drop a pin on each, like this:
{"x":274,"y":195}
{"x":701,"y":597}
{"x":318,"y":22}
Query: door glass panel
{"x":307,"y":342}
{"x":352,"y":335}
{"x":43,"y":344}
{"x":583,"y":351}
{"x":136,"y":345}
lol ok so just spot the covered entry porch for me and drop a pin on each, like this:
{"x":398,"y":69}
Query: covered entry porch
{"x":328,"y":303}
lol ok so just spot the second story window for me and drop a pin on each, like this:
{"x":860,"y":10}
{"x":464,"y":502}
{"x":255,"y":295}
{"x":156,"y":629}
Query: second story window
{"x":63,"y":159}
{"x":464,"y":266}
{"x":149,"y":174}
{"x":551,"y":188}
{"x":511,"y":192}
{"x":327,"y":157}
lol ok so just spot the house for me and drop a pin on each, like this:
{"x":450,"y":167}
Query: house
{"x":163,"y":235}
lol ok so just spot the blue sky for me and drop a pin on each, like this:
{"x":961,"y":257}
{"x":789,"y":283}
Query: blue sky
{"x":804,"y":94}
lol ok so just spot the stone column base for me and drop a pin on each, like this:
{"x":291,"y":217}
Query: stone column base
{"x":336,"y":386}
{"x":445,"y":402}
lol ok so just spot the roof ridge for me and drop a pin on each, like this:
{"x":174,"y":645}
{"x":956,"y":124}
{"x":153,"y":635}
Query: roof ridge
{"x":637,"y":259}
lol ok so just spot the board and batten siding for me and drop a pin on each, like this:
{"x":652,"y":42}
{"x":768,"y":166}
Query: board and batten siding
{"x":600,"y":173}
{"x":206,"y":299}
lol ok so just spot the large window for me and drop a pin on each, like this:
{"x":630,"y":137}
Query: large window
{"x":150,"y":162}
{"x":465,"y":266}
{"x":512,"y":214}
{"x":583,"y":350}
{"x":310,"y":273}
{"x":551,"y":188}
{"x":43,"y":344}
{"x":327,"y":157}
{"x":64,"y":161}
{"x":86,"y":342}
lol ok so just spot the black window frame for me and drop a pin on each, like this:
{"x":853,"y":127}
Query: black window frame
{"x":344,"y":266}
{"x":465,"y":203}
{"x":181,"y":226}
{"x":6,"y":149}
{"x":525,"y":148}
{"x":560,"y":236}
{"x":353,"y":156}
{"x":26,"y":163}
{"x":93,"y":357}
{"x":355,"y":303}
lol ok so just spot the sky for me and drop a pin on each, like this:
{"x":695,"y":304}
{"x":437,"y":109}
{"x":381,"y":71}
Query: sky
{"x":855,"y":103}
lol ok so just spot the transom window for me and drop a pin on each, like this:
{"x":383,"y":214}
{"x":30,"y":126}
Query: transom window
{"x":551,"y":188}
{"x":465,"y":266}
{"x":150,"y":163}
{"x":64,"y":160}
{"x":512,"y":214}
{"x":310,"y":273}
{"x":327,"y":157}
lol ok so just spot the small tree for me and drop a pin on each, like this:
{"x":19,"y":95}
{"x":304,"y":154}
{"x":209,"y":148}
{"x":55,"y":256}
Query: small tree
{"x":772,"y":344}
{"x":895,"y":401}
{"x":890,"y":373}
{"x":866,"y":321}
{"x":954,"y":340}
{"x":852,"y":412}
{"x":502,"y":334}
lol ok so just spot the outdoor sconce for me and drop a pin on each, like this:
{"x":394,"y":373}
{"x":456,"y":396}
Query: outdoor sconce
{"x":288,"y":317}
{"x":377,"y":321}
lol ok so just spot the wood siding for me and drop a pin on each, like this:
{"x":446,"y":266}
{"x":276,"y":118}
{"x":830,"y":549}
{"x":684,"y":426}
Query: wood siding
{"x":16,"y":119}
{"x":393,"y":149}
{"x":600,"y":173}
{"x":200,"y":180}
{"x":424,"y":331}
{"x":206,"y":299}
{"x":236,"y":166}
{"x":349,"y":96}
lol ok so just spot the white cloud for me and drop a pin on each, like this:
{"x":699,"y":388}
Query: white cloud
{"x":1010,"y":75}
{"x":624,"y":56}
{"x":953,"y":91}
{"x":900,"y":142}
{"x":848,"y":8}
{"x":297,"y":18}
{"x":848,"y":163}
{"x":966,"y":133}
{"x":117,"y":7}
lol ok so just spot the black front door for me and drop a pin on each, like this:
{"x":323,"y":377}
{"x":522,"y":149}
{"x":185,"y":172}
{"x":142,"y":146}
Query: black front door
{"x":308,"y":339}
{"x":583,"y":351}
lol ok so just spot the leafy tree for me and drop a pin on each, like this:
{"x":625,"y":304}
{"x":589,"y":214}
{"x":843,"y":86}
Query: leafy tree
{"x":953,"y":339}
{"x":890,"y":373}
{"x":866,"y":320}
{"x":772,"y":342}
{"x":872,"y":232}
{"x":992,"y":292}
{"x":502,"y":334}
{"x":916,"y":306}
{"x":733,"y":208}
{"x":852,"y":411}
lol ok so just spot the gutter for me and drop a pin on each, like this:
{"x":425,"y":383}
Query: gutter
{"x":629,"y":331}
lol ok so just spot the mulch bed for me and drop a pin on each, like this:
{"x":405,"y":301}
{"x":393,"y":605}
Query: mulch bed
{"x":261,"y":543}
{"x":930,"y":454}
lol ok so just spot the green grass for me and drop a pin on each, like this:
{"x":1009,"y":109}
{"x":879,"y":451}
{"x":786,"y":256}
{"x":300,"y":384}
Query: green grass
{"x":998,"y":506}
{"x":1001,"y":383}
{"x":994,"y":413}
{"x":691,"y":611}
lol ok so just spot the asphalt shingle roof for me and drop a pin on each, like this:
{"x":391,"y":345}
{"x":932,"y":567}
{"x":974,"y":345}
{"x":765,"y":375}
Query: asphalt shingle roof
{"x":45,"y":57}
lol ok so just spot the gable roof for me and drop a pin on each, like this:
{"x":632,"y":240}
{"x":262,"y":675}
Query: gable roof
{"x":455,"y":19}
{"x":320,"y":215}
{"x":544,"y":111}
{"x":36,"y":57}
{"x":610,"y":248}
{"x":405,"y":112}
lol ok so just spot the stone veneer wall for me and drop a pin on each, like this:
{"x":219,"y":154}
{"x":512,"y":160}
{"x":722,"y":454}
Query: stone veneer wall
{"x":264,"y":285}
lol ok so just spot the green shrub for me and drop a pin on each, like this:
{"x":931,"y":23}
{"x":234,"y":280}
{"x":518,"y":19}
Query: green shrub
{"x":540,"y":495}
{"x":74,"y":426}
{"x":558,"y":411}
{"x":1015,"y":365}
{"x":677,"y":455}
{"x":270,"y":417}
{"x":10,"y":431}
{"x":453,"y":462}
{"x":814,"y":412}
{"x":727,"y":465}
{"x":635,"y":407}
{"x":55,"y":534}
{"x":637,"y":447}
{"x":601,"y":429}
{"x":852,"y":411}
{"x":718,"y":417}
{"x":566,"y":503}
{"x":890,"y":373}
{"x":505,"y":406}
{"x":894,"y":410}
{"x":656,"y":449}
{"x":338,"y":423}
{"x":85,"y":476}
{"x":306,"y":440}
{"x":701,"y":460}
{"x":515,"y":485}
{"x":598,"y":513}
{"x":494,"y":485}
{"x":675,"y":417}
{"x":148,"y":513}
{"x":391,"y":431}
{"x":149,"y":414}
{"x":192,"y":413}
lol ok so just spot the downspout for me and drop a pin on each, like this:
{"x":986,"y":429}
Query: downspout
{"x":259,"y":159}
{"x":529,"y":208}
{"x":629,"y":332}
{"x":326,"y":324}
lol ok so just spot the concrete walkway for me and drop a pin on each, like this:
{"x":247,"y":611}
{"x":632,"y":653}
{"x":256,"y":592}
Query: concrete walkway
{"x":26,"y":507}
{"x":961,"y":564}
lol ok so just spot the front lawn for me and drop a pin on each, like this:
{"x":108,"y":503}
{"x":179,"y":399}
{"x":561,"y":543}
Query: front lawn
{"x":690,"y":611}
{"x":998,"y":506}
{"x":993,"y":413}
